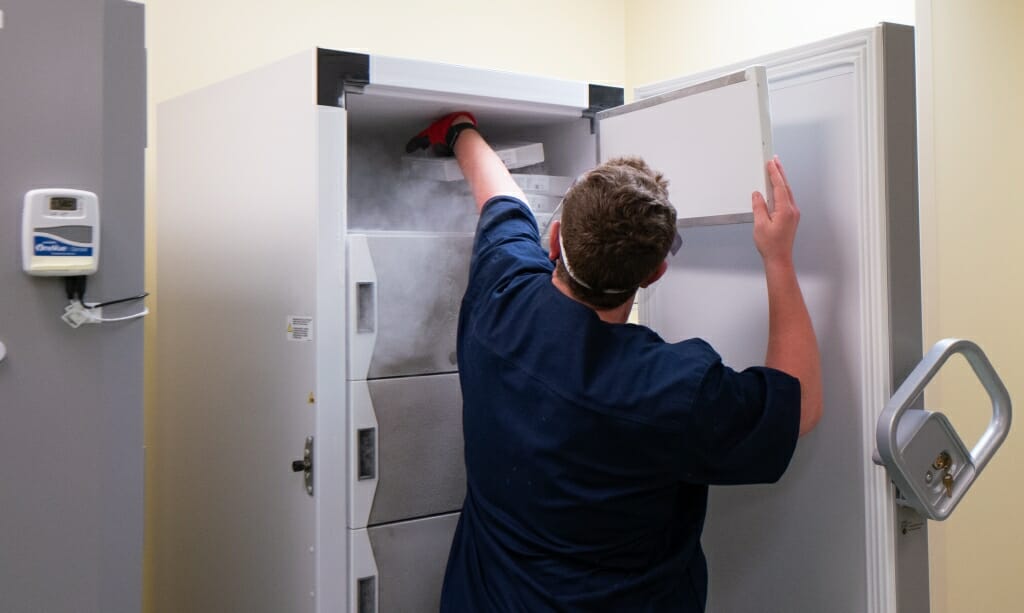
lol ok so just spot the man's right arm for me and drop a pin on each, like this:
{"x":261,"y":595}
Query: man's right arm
{"x":484,"y":171}
{"x":792,"y":346}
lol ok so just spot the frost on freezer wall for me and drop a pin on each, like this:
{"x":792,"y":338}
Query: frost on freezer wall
{"x":384,"y":196}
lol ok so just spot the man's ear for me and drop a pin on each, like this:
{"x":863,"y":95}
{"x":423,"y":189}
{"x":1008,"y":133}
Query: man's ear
{"x":656,"y":274}
{"x":554,"y":249}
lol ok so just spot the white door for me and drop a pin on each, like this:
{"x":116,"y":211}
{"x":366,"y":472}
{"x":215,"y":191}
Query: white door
{"x":822,"y":539}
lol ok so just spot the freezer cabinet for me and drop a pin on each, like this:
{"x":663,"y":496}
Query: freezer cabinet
{"x":238,"y":395}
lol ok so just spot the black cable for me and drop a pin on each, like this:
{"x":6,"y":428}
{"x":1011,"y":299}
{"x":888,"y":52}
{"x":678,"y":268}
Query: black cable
{"x":74,"y":287}
{"x":119,"y":301}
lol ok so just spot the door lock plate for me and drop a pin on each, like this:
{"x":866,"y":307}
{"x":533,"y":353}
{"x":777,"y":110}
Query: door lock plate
{"x":305,"y":465}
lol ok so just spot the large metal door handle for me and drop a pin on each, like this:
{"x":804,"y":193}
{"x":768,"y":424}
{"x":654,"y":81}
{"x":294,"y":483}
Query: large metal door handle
{"x":921,"y":451}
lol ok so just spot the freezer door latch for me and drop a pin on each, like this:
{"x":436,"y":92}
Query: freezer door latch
{"x":923,"y":454}
{"x":305,"y":465}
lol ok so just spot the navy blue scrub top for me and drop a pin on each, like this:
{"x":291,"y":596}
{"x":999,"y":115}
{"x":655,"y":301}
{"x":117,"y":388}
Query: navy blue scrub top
{"x":590,"y":446}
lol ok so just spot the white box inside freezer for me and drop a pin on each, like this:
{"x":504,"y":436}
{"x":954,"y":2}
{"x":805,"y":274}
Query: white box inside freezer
{"x":542,"y":203}
{"x":543,"y":184}
{"x":425,"y":165}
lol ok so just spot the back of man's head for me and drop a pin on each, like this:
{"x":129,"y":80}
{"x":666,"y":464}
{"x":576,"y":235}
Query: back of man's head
{"x":617,"y":227}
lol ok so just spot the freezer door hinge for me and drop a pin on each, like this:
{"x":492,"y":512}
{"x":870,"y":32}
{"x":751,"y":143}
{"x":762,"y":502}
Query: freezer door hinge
{"x":601,"y":98}
{"x":305,"y":465}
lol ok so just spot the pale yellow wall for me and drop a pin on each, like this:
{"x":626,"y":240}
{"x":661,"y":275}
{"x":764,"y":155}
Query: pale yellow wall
{"x":197,"y":42}
{"x":971,"y":99}
{"x":192,"y":43}
{"x":667,"y":38}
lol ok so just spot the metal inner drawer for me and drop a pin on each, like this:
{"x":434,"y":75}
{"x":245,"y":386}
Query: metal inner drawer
{"x":411,"y":558}
{"x":420,"y":281}
{"x":421,"y":468}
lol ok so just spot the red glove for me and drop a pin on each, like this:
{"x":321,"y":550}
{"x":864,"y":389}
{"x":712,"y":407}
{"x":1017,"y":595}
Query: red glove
{"x":441,"y":135}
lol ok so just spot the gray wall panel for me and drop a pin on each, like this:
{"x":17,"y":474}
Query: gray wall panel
{"x":71,"y":400}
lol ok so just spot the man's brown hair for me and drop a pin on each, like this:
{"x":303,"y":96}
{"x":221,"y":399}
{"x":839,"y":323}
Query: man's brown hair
{"x":617,"y":227}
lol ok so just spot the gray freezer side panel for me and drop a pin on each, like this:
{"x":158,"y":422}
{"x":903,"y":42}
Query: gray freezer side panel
{"x":904,"y":282}
{"x":71,"y":457}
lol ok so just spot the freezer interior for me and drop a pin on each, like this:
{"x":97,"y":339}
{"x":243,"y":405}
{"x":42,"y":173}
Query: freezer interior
{"x":384,"y":194}
{"x":408,"y":247}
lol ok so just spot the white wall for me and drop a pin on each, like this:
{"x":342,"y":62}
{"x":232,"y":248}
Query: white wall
{"x":970,"y":98}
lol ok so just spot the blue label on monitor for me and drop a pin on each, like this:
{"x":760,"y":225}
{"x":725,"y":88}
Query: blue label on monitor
{"x":48,"y":246}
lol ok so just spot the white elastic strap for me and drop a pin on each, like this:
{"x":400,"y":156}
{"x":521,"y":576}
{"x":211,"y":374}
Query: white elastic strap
{"x":77,"y":314}
{"x":142,"y":313}
{"x":572,"y":275}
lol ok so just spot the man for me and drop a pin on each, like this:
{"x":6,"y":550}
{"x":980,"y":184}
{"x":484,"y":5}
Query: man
{"x":590,"y":442}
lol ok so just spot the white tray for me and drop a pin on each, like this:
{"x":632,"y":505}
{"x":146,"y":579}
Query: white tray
{"x":425,"y":165}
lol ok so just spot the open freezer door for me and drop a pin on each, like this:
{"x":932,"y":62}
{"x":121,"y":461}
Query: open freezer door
{"x":712,"y":140}
{"x":851,"y":164}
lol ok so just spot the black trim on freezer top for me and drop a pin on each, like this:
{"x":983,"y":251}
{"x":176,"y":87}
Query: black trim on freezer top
{"x":601,"y":97}
{"x":336,"y":68}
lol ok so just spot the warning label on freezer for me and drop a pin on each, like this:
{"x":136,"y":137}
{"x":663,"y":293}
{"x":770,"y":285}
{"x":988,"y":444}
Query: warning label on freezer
{"x":300,"y":328}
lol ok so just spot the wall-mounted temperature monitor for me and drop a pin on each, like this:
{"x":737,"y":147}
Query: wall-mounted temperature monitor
{"x":60,"y":232}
